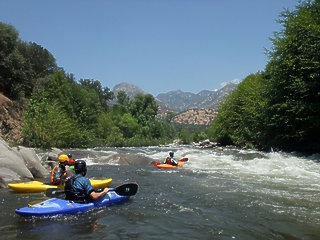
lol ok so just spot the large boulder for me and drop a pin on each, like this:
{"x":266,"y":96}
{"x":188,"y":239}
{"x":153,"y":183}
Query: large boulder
{"x":53,"y":154}
{"x":6,"y":176}
{"x":51,"y":158}
{"x":125,"y":159}
{"x":32,"y":162}
{"x":12,"y":165}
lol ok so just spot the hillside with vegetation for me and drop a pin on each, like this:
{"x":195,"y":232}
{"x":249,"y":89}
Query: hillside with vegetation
{"x":43,"y":106}
{"x":200,"y":111}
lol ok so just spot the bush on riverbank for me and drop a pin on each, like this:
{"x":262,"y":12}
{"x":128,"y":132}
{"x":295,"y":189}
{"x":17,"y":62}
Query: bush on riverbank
{"x":71,"y":114}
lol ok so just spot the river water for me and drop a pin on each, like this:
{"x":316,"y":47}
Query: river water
{"x":229,"y":194}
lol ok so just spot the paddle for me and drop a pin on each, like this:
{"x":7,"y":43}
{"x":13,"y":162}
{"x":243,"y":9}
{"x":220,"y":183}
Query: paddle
{"x":181,"y":160}
{"x":54,"y":192}
{"x":34,"y":202}
{"x":184,"y":160}
{"x":127,"y":189}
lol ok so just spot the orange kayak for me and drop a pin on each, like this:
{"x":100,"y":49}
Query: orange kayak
{"x":169,"y":166}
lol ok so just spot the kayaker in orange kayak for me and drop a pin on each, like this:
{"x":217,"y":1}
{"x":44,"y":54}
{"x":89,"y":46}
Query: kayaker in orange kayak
{"x":171,"y":159}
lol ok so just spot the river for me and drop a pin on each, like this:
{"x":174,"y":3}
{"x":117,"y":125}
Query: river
{"x":229,"y":194}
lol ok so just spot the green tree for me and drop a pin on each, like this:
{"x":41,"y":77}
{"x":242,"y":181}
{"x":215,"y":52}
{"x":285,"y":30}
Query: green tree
{"x":21,"y":64}
{"x":104,"y":94}
{"x":40,"y":59}
{"x":128,"y":125}
{"x":123,"y":99}
{"x":46,"y":124}
{"x":240,"y":118}
{"x":10,"y":62}
{"x":185,"y":135}
{"x":279,"y":108}
{"x":104,"y":127}
{"x":116,"y":138}
{"x":144,"y":108}
{"x":199,"y":136}
{"x":293,"y":73}
{"x":59,"y":90}
{"x":122,"y":104}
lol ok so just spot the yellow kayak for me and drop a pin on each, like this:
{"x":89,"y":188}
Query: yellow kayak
{"x":100,"y":183}
{"x":169,"y":166}
{"x":36,"y":186}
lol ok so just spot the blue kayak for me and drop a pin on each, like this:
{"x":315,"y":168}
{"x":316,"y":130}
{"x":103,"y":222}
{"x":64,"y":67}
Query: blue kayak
{"x":55,"y":206}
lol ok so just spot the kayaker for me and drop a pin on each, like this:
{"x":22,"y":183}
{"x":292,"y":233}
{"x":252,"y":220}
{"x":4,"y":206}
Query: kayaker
{"x":171,"y":159}
{"x":79,"y":188}
{"x":71,"y":161}
{"x":59,"y":173}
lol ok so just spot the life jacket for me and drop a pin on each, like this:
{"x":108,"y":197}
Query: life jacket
{"x":71,"y":162}
{"x":72,"y":193}
{"x":168,"y":160}
{"x":58,"y":175}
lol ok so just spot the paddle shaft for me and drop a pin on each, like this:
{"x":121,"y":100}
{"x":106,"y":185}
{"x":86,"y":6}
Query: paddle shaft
{"x":127,"y":189}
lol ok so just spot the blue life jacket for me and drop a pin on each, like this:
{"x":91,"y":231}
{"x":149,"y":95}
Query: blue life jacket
{"x":77,"y":189}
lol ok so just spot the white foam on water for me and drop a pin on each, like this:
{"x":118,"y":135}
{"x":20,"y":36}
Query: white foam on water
{"x":279,"y":166}
{"x":89,"y":161}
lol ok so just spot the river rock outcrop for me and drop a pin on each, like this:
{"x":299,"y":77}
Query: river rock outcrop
{"x":50,"y":159}
{"x":32,"y":162}
{"x":205,"y":144}
{"x":125,"y":159}
{"x":11,"y":120}
{"x":19,"y":164}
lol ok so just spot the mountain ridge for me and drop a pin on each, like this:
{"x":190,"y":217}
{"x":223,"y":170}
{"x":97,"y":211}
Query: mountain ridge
{"x":180,"y":101}
{"x":187,"y":107}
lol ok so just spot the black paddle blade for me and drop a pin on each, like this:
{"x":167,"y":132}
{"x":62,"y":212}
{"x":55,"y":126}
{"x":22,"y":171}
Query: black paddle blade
{"x":54,"y":192}
{"x":127,"y":189}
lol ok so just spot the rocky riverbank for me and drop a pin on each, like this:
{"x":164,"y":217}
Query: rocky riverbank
{"x":19,"y":164}
{"x":205,"y":144}
{"x":11,"y":120}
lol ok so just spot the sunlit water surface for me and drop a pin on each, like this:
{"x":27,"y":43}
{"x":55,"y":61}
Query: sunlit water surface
{"x":229,"y":194}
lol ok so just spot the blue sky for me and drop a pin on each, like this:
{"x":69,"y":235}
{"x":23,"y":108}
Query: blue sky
{"x":158,"y":45}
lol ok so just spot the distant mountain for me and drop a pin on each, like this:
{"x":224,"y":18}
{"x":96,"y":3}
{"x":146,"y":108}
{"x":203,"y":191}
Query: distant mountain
{"x":188,"y":108}
{"x":182,"y":101}
{"x":179,"y":100}
{"x":130,"y":89}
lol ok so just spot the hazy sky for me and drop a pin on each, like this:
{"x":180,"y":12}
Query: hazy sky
{"x":158,"y":45}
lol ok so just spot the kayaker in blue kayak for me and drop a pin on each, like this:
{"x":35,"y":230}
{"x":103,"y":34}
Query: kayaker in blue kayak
{"x":79,"y":188}
{"x":171,"y":159}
